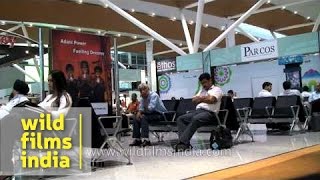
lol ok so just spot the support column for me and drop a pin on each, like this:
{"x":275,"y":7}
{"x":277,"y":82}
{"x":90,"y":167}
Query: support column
{"x":150,"y":71}
{"x":116,"y":76}
{"x":41,"y":59}
{"x":230,"y":39}
{"x":129,"y":59}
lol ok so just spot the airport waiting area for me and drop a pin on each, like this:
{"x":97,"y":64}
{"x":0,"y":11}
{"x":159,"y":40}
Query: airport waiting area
{"x":159,"y":89}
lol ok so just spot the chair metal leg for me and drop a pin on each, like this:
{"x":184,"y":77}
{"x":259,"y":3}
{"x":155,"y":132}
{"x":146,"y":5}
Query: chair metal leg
{"x":243,"y":129}
{"x":239,"y":132}
{"x":305,"y":126}
{"x":248,"y":131}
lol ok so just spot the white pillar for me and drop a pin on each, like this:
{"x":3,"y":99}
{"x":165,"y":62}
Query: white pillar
{"x":186,"y":33}
{"x":149,"y":57}
{"x":197,"y":33}
{"x":231,"y":39}
{"x":129,"y":59}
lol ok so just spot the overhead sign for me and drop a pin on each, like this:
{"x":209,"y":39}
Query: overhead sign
{"x":259,"y":51}
{"x":168,"y":65}
{"x":5,"y":40}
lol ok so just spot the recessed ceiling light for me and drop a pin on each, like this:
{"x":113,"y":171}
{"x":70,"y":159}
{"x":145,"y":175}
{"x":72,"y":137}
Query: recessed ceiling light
{"x":173,"y":19}
{"x":54,"y":27}
{"x":283,"y":8}
{"x":180,"y":44}
{"x":237,"y":32}
{"x":3,"y":22}
{"x":153,"y":14}
{"x":106,"y":5}
{"x":80,"y":1}
{"x":99,"y":32}
{"x":79,"y":29}
{"x":30,"y":25}
{"x":133,"y":10}
{"x":119,"y":35}
{"x":308,"y":17}
{"x":134,"y":37}
{"x":269,"y":1}
{"x":295,"y":12}
{"x":206,"y":25}
{"x":27,"y":52}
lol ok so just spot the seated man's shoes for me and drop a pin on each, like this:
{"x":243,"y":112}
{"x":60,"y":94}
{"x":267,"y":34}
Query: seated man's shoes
{"x":146,"y":143}
{"x":136,"y":142}
{"x":180,"y":147}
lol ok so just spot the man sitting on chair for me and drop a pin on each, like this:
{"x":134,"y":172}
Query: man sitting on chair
{"x":208,"y":101}
{"x":19,"y":92}
{"x":150,"y":109}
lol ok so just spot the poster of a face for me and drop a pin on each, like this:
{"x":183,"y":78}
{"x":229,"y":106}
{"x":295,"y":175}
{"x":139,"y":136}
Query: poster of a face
{"x":85,"y":59}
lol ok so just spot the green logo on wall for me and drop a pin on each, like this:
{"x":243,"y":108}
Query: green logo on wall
{"x":164,"y":83}
{"x":222,"y":75}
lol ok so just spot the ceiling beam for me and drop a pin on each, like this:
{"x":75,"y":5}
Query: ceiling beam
{"x":272,"y":8}
{"x":196,"y":4}
{"x":196,"y":39}
{"x":166,"y":52}
{"x":163,"y":11}
{"x":131,"y":43}
{"x":23,"y":71}
{"x":26,"y":34}
{"x":235,"y":24}
{"x":12,"y":29}
{"x":273,"y":34}
{"x":295,"y":26}
{"x":250,"y":36}
{"x":125,"y":34}
{"x":19,"y":35}
{"x":316,"y":25}
{"x":186,"y":33}
{"x":143,"y":27}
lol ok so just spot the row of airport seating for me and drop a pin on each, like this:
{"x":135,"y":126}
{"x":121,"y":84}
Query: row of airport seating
{"x":282,"y":113}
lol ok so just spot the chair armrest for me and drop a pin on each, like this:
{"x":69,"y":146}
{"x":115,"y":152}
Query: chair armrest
{"x":165,"y":115}
{"x":269,"y":110}
{"x":295,"y":110}
{"x":307,"y":109}
{"x":245,"y":110}
{"x":224,"y":118}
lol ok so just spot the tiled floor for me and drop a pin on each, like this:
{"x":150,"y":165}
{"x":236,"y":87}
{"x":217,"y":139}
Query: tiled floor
{"x":159,"y":162}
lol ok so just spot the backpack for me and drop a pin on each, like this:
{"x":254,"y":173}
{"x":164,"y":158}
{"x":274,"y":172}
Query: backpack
{"x":220,"y":138}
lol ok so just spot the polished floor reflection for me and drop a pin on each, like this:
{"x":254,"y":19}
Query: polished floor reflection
{"x":159,"y":161}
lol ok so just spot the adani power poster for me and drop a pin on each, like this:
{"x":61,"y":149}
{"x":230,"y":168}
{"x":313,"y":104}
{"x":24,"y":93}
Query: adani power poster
{"x":86,"y":61}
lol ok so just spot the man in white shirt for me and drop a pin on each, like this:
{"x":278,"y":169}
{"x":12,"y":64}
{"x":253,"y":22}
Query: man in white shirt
{"x":305,"y":92}
{"x":288,"y":91}
{"x":266,"y":90}
{"x":316,"y":94}
{"x":19,"y":92}
{"x":208,"y":101}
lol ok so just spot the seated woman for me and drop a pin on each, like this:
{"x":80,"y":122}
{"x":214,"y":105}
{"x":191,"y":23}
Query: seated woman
{"x":58,"y":101}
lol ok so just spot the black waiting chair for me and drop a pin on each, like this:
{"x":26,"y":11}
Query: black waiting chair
{"x":157,"y":128}
{"x":222,"y":115}
{"x":261,"y":110}
{"x":286,"y":111}
{"x":243,"y":107}
{"x":315,"y":115}
{"x":185,"y":105}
